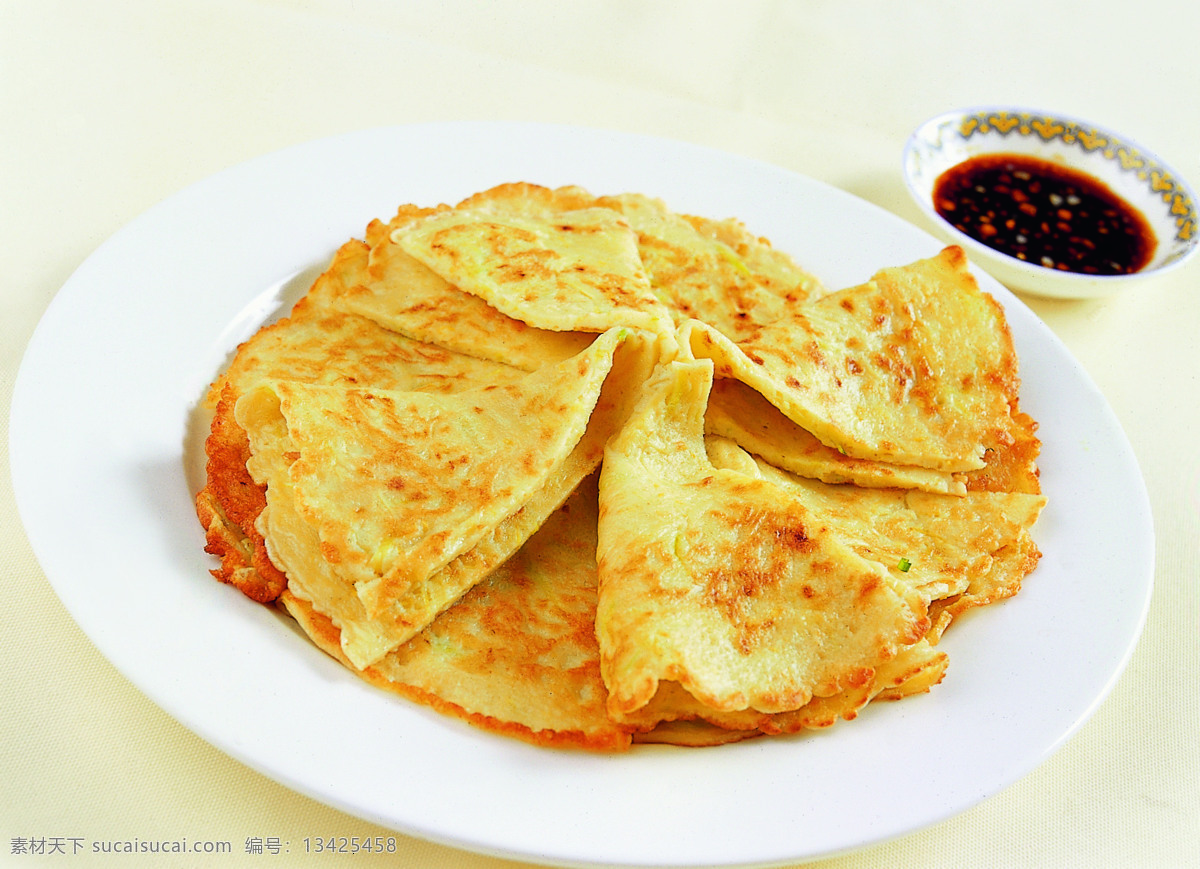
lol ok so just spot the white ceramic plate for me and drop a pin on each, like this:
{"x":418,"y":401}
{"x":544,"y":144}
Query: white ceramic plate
{"x":104,"y":447}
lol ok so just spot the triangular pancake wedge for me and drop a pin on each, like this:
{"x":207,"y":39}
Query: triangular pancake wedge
{"x":735,"y":286}
{"x":724,"y":583}
{"x":737,"y":412}
{"x":402,"y":294}
{"x":383,"y":508}
{"x":576,"y":270}
{"x":517,"y":654}
{"x":316,"y":343}
{"x":939,"y":544}
{"x":914,"y":669}
{"x":915,"y":367}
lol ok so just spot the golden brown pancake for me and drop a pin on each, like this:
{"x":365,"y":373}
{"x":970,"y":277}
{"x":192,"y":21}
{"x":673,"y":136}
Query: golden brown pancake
{"x":384,"y":507}
{"x":318,"y":344}
{"x":941,"y":545}
{"x":724,"y":583}
{"x":737,"y":412}
{"x":941,"y":540}
{"x":517,"y":655}
{"x":711,"y":271}
{"x":590,"y":473}
{"x":571,"y":271}
{"x":915,"y":367}
{"x":404,"y":295}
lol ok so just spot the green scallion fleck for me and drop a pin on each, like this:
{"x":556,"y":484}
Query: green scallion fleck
{"x":904,"y":565}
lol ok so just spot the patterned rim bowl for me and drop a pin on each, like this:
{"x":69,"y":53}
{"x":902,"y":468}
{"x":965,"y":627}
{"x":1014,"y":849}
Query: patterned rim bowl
{"x":1127,"y":168}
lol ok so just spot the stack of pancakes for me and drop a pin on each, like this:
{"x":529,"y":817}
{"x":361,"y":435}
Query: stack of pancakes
{"x":590,"y":472}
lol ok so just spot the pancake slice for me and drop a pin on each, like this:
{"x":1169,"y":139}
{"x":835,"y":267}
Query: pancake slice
{"x":724,"y":583}
{"x":320,"y":344}
{"x":938,"y":544}
{"x":571,"y":271}
{"x":697,"y":275}
{"x":737,"y":412}
{"x":915,"y":669}
{"x":517,"y":655}
{"x":383,"y":508}
{"x":404,"y":295}
{"x":915,"y":367}
{"x":429,"y":473}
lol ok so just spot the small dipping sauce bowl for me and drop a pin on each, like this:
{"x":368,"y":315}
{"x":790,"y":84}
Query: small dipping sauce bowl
{"x":1051,"y":205}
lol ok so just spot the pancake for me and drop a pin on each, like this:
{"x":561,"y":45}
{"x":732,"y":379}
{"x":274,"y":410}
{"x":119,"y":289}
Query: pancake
{"x":915,"y":367}
{"x":723,"y":583}
{"x":317,"y":344}
{"x":517,"y":655}
{"x":572,"y":270}
{"x":427,"y":472}
{"x":711,"y":271}
{"x":938,"y":544}
{"x":383,"y":508}
{"x":737,"y":412}
{"x":591,"y":473}
{"x":402,"y":294}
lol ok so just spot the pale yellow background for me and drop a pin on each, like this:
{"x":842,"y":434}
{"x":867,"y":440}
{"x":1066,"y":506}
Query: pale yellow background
{"x":109,"y":107}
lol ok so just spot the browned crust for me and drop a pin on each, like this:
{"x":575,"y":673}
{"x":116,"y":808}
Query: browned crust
{"x":557,"y":199}
{"x":1011,"y":466}
{"x":693,"y":734}
{"x":229,"y":505}
{"x":1013,"y":563}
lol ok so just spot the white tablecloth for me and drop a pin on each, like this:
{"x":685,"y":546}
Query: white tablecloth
{"x":110,"y":107}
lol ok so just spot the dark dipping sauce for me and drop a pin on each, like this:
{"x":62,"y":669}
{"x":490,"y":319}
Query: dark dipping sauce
{"x":1044,"y":213}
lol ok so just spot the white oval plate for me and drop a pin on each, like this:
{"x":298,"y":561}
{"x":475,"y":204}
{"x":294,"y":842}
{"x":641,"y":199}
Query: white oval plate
{"x":104,"y":449}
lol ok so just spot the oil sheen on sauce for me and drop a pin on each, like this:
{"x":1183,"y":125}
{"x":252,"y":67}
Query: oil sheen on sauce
{"x":1044,"y":213}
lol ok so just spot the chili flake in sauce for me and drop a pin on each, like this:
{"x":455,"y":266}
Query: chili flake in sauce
{"x":1044,"y":213}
